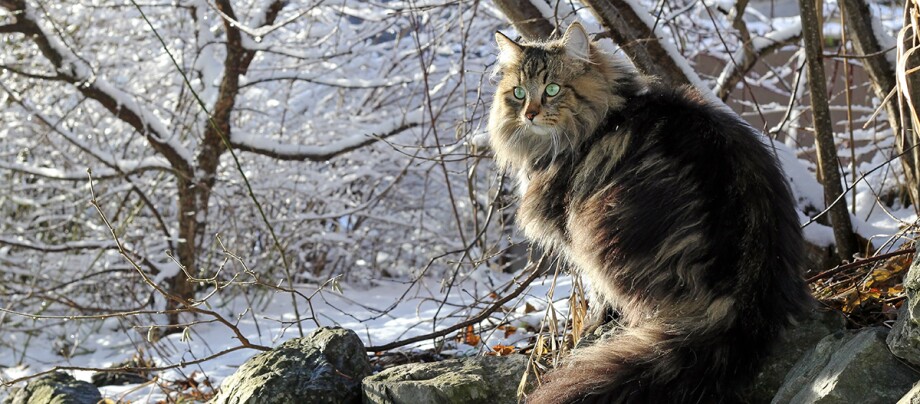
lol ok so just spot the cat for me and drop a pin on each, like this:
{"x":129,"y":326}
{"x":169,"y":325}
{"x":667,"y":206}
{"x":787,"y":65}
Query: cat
{"x":673,"y":210}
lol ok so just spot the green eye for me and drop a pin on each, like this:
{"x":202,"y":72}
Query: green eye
{"x":519,"y":93}
{"x":552,"y":89}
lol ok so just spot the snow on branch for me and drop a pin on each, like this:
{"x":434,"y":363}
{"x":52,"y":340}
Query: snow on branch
{"x":283,"y":151}
{"x":125,"y":168}
{"x":115,"y":167}
{"x":78,"y":72}
{"x":267,"y":17}
{"x":634,"y":30}
{"x":66,"y":246}
{"x":759,"y":46}
{"x":340,"y":82}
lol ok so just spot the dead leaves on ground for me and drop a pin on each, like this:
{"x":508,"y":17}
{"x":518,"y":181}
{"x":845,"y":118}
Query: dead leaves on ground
{"x":195,"y":388}
{"x":868,"y":295}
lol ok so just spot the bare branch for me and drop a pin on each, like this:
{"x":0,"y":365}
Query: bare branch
{"x":526,"y":18}
{"x":282,"y":151}
{"x":17,"y":28}
{"x":536,"y":268}
{"x":753,"y":49}
{"x":30,"y":75}
{"x":630,"y":30}
{"x":48,"y":248}
{"x":73,"y":70}
{"x":828,"y":163}
{"x":79,"y":176}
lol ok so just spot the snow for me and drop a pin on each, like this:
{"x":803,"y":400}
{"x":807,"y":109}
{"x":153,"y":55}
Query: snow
{"x":882,"y":34}
{"x":793,"y":29}
{"x":672,"y":51}
{"x":207,"y":61}
{"x":759,"y":43}
{"x":359,"y":310}
{"x":73,"y":65}
{"x":344,"y":82}
{"x":265,"y":144}
{"x":326,"y":78}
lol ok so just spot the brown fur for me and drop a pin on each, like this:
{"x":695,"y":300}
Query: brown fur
{"x":671,"y":208}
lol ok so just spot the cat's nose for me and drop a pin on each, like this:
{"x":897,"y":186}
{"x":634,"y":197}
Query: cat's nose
{"x":530,"y":115}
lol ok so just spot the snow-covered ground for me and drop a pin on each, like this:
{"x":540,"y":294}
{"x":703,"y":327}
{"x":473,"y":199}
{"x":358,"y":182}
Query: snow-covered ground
{"x":332,"y":97}
{"x":356,"y":309}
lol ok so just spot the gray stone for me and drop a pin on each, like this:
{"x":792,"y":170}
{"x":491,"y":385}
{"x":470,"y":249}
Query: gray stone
{"x":55,"y":388}
{"x":324,"y":367}
{"x":794,"y":343}
{"x":115,"y":378}
{"x":912,"y":396}
{"x":904,"y":339}
{"x":848,"y":367}
{"x":479,"y":379}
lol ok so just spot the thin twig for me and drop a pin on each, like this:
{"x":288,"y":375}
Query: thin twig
{"x":124,"y":369}
{"x":463,"y":324}
{"x":859,"y":263}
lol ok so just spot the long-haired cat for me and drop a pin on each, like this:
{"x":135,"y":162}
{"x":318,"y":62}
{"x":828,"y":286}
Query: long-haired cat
{"x":674,"y":211}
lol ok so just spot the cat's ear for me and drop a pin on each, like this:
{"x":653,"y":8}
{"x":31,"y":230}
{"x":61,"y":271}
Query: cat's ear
{"x":508,"y":50}
{"x":577,"y":43}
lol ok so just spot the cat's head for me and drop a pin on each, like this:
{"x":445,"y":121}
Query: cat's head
{"x":551,"y":95}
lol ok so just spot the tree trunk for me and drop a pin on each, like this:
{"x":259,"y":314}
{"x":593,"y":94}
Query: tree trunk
{"x":824,"y":135}
{"x":635,"y":37}
{"x":526,"y":18}
{"x":187,"y":248}
{"x":882,"y":76}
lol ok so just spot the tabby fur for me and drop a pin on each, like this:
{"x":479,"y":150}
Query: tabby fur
{"x":673,"y":210}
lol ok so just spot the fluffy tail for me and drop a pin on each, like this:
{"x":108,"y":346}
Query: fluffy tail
{"x":659,"y":363}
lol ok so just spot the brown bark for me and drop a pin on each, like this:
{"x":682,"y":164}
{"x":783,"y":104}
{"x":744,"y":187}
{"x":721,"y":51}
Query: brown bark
{"x":195,"y":192}
{"x":635,"y":37}
{"x":882,"y":76}
{"x":735,"y":70}
{"x":526,"y":18}
{"x":194,"y":180}
{"x":824,"y":135}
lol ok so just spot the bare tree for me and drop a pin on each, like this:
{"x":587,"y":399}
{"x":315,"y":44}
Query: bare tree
{"x":232,"y":60}
{"x":873,"y":55}
{"x":824,"y":132}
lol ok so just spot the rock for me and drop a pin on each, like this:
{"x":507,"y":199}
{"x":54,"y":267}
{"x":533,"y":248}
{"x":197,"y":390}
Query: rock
{"x":117,"y":377}
{"x":847,"y":367}
{"x":324,"y":367}
{"x":904,"y":339}
{"x":912,"y":396}
{"x":794,"y":344}
{"x":56,"y":388}
{"x":478,"y":379}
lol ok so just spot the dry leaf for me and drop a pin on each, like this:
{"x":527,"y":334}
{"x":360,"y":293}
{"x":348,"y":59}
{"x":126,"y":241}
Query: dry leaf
{"x":502,"y":350}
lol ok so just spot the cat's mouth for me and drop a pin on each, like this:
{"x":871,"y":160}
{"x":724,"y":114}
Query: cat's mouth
{"x":537,"y":128}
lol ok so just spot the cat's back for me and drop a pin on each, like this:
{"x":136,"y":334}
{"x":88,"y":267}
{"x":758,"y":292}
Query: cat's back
{"x":711,"y":149}
{"x":672,"y":166}
{"x":682,"y":123}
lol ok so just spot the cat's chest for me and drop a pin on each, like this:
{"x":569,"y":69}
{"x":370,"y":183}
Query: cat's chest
{"x":544,"y":200}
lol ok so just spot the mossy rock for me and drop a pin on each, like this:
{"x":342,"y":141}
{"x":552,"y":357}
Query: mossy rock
{"x":324,"y":367}
{"x":904,"y":339}
{"x":55,"y":388}
{"x":473,"y":380}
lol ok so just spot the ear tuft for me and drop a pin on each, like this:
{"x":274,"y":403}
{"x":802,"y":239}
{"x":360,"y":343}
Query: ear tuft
{"x":508,"y":50}
{"x":576,"y":42}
